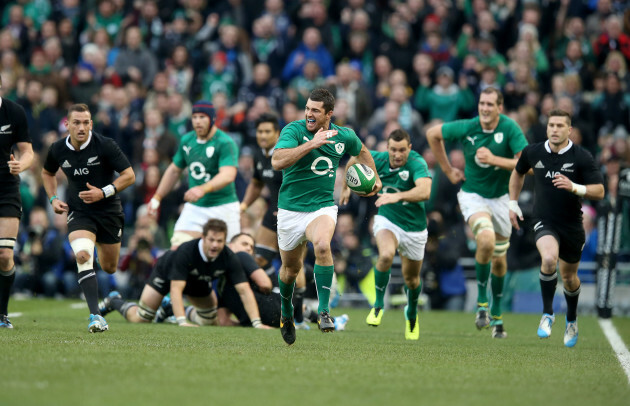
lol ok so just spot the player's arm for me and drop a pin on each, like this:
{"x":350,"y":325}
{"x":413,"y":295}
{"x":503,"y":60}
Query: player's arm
{"x":170,"y":177}
{"x":249,"y":303}
{"x":366,"y":159}
{"x":49,"y":181}
{"x":592,"y":192}
{"x":251,"y":193}
{"x":261,"y":279}
{"x":177,"y":301}
{"x":286,"y":157}
{"x":436,"y":143}
{"x":226,"y":175}
{"x":25,"y":158}
{"x":419,"y":193}
{"x":515,"y":186}
{"x":94,"y":194}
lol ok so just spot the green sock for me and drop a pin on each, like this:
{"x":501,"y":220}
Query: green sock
{"x":286,"y":298}
{"x":381,"y":279}
{"x":412,"y":301}
{"x":323,"y":282}
{"x":496,"y":282}
{"x":483,"y":271}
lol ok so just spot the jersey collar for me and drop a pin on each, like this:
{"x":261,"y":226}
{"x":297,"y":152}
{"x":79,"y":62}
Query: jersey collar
{"x":562,"y":151}
{"x":82,"y":147}
{"x":203,"y":255}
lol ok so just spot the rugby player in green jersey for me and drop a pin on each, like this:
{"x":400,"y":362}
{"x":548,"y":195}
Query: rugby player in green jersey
{"x":401,"y":223}
{"x":492,"y":144}
{"x":308,"y":152}
{"x":211,"y":157}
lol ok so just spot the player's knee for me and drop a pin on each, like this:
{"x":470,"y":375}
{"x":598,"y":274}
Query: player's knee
{"x":108,"y":266}
{"x":412,"y":281}
{"x":6,"y":259}
{"x":549,"y":262}
{"x":385,"y":259}
{"x":204,"y":317}
{"x":145,"y":313}
{"x":83,"y":250}
{"x":501,"y":248}
{"x":180,"y":237}
{"x":321,"y":248}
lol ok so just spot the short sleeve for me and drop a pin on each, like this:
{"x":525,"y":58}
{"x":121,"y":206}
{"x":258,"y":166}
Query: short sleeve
{"x":21,"y":126}
{"x":179,"y":159}
{"x":51,"y":164}
{"x":248,"y":262}
{"x":116,"y":157}
{"x":228,"y":154}
{"x":523,"y":165}
{"x":235,"y":270}
{"x":456,"y":130}
{"x":288,"y":138}
{"x":592,"y":176}
{"x":353,"y":143}
{"x":517,"y":140}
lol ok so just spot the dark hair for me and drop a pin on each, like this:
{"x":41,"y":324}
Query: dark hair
{"x":399,"y":135}
{"x":323,"y":95}
{"x":268,"y":118}
{"x":560,"y":113}
{"x":490,"y":90}
{"x":215,"y":225}
{"x":237,"y":236}
{"x":79,"y":108}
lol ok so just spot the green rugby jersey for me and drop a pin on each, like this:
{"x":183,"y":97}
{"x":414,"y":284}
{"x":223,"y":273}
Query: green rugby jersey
{"x":410,"y":216}
{"x":308,"y":185}
{"x":506,"y":140}
{"x":203,"y":160}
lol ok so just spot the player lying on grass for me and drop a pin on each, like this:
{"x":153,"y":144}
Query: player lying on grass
{"x":190,"y":270}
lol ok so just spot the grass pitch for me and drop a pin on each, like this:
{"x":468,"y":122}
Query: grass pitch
{"x":51,"y":359}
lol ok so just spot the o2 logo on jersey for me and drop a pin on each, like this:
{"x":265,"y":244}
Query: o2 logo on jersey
{"x":81,"y":171}
{"x":480,"y":164}
{"x":198,"y":171}
{"x":325,"y":171}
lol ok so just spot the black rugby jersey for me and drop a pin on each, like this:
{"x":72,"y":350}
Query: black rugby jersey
{"x":13,"y":129}
{"x":264,"y":172}
{"x":187,"y":264}
{"x":574,"y":162}
{"x":95,"y":163}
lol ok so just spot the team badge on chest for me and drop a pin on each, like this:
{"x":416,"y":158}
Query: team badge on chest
{"x":498,"y":138}
{"x":339,"y":147}
{"x":404,"y":175}
{"x":209,"y":152}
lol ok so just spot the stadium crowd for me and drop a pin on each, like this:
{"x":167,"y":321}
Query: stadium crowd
{"x":140,"y":65}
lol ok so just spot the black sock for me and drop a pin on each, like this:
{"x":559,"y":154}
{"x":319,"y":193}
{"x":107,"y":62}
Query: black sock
{"x":548,"y":290}
{"x":117,"y":303}
{"x":6,"y":282}
{"x":89,"y":285}
{"x":572,"y":302}
{"x":298,"y":301}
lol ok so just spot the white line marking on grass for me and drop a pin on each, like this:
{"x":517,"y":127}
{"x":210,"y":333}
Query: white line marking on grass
{"x":619,"y":347}
{"x":81,"y":305}
{"x":16,"y":314}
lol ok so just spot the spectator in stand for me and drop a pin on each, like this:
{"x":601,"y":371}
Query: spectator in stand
{"x":610,"y":109}
{"x":346,"y":87}
{"x":401,"y":48}
{"x":262,"y":86}
{"x":311,"y":48}
{"x":135,"y":62}
{"x":446,"y":100}
{"x":268,"y":47}
{"x":612,"y":39}
{"x":179,"y":70}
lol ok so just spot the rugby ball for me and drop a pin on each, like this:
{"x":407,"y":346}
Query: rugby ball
{"x":360,"y":179}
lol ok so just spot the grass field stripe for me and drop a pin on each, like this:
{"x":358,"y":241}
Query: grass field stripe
{"x":621,"y":351}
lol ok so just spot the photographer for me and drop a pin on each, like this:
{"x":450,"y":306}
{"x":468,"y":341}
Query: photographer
{"x":140,"y":258}
{"x":39,"y":257}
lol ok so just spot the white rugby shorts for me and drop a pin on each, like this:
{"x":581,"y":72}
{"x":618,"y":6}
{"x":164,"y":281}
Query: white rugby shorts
{"x":292,"y":225}
{"x":193,"y":218}
{"x":497,"y":208}
{"x":410,"y":243}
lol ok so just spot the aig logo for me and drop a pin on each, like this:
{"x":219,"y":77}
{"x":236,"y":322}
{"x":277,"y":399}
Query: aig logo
{"x":81,"y":171}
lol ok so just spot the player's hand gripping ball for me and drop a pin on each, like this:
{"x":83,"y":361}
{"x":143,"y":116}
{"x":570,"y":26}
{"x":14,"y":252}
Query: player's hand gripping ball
{"x":360,"y":179}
